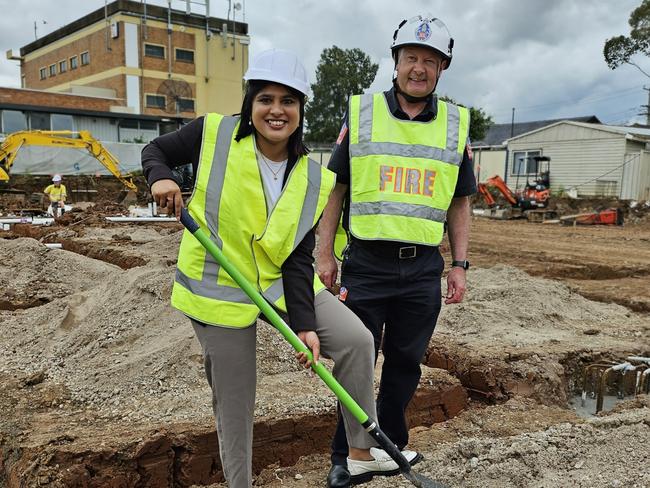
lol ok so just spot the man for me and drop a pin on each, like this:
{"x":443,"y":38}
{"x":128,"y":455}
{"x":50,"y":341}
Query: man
{"x":403,"y":170}
{"x":57,"y":194}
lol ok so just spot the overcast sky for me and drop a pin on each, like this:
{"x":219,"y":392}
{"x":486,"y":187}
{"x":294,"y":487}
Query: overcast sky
{"x":543,"y":57}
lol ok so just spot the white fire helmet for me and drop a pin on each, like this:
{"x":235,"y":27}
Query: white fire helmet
{"x":279,"y":66}
{"x":56,"y":178}
{"x":423,"y":31}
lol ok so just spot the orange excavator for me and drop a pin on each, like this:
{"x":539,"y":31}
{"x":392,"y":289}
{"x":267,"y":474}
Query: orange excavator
{"x":535,"y":195}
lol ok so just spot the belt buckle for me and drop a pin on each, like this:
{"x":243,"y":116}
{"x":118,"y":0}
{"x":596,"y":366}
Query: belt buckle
{"x":407,"y":252}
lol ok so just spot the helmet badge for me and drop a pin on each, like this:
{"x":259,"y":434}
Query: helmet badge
{"x":423,"y":32}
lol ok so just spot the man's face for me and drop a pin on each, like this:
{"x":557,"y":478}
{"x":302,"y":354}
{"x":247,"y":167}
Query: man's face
{"x":418,"y":69}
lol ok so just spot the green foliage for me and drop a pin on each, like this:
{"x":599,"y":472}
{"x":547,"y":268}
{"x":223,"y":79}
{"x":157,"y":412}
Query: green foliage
{"x":480,"y":121}
{"x":340,"y":73}
{"x":620,"y":49}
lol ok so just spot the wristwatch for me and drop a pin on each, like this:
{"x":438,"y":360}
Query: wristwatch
{"x":460,"y":264}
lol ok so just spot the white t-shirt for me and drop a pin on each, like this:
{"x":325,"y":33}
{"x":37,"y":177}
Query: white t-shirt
{"x":272,"y":176}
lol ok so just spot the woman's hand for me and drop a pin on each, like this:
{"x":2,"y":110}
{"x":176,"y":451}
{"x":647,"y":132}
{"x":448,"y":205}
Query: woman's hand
{"x":167,"y":195}
{"x":310,"y":339}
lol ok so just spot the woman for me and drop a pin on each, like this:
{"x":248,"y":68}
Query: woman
{"x":260,"y":197}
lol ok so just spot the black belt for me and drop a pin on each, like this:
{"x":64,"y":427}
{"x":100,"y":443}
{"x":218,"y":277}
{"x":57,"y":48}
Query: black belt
{"x":391,"y":249}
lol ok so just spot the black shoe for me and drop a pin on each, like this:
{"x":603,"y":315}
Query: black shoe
{"x":338,"y":477}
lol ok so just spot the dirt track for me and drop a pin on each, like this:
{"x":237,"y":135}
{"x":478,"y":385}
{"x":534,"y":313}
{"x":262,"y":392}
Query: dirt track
{"x":103,"y":382}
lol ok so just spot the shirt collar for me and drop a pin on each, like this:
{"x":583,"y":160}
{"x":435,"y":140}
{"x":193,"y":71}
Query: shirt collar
{"x":428,"y":113}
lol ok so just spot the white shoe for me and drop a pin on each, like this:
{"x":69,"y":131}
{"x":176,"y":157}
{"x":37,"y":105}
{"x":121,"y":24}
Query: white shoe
{"x":412,"y":457}
{"x":381,"y":465}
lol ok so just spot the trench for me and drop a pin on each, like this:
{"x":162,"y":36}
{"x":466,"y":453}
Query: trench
{"x":182,"y":455}
{"x":186,"y":455}
{"x":104,"y":252}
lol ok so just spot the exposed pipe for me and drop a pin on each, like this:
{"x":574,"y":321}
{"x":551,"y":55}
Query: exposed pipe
{"x":587,"y":375}
{"x":603,"y":383}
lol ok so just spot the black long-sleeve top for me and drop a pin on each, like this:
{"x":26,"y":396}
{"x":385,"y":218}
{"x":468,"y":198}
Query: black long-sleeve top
{"x":183,"y":146}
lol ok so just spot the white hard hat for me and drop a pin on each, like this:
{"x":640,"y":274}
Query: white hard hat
{"x":56,"y":178}
{"x":279,"y":66}
{"x":423,"y":31}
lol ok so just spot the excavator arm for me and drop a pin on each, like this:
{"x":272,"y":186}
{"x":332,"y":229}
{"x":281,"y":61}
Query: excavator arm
{"x":487,"y":196}
{"x":85,"y":140}
{"x":498,"y":183}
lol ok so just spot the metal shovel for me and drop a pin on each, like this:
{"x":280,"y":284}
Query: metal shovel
{"x":344,"y":397}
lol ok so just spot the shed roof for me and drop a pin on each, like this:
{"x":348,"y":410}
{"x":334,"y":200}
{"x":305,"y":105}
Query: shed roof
{"x":498,"y":133}
{"x":633,"y":132}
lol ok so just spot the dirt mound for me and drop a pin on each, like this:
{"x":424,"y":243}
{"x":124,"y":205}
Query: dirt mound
{"x":507,"y":307}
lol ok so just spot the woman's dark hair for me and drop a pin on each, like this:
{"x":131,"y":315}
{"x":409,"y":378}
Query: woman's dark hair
{"x":296,"y":146}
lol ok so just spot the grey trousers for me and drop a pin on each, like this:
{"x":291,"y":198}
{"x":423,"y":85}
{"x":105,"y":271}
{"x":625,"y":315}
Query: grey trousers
{"x":229,"y":360}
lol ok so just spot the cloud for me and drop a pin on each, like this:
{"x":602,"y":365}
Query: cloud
{"x":545,"y":58}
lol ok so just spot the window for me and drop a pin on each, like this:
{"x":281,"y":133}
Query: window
{"x":63,"y":66}
{"x":61,"y":122}
{"x":128,"y":124}
{"x":185,"y":105}
{"x":39,"y":121}
{"x":156,"y":101}
{"x":73,"y":62}
{"x":52,"y":69}
{"x":42,"y":73}
{"x":184,"y":55}
{"x":154,"y":51}
{"x":148,"y":125}
{"x":13,"y":121}
{"x":85,"y":58}
{"x":523,"y":162}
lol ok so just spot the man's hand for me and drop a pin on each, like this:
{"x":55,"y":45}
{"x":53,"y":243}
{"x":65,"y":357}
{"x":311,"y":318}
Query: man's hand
{"x":167,"y":195}
{"x":455,"y":285}
{"x":327,"y":268}
{"x":310,"y":339}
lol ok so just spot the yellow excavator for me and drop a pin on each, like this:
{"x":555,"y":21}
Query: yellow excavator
{"x":60,"y":138}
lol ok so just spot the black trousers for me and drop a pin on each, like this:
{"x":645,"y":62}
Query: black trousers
{"x":398,"y":299}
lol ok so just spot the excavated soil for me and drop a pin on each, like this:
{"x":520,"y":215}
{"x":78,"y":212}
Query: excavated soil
{"x":103,"y":383}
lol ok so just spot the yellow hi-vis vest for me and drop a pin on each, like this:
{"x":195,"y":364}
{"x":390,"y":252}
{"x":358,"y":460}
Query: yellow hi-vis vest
{"x":56,"y":194}
{"x":228,"y":201}
{"x":403,"y":173}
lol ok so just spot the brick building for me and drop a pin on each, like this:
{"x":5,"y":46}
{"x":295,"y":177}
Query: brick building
{"x":135,"y":58}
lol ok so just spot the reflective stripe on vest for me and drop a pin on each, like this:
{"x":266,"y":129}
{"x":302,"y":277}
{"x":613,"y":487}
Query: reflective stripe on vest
{"x":236,"y":217}
{"x":403,"y":173}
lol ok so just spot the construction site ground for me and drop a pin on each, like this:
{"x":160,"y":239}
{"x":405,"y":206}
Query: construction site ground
{"x":102,"y":382}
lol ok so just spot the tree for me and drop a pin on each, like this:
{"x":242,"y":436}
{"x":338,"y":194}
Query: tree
{"x":340,"y":73}
{"x":480,"y":121}
{"x":620,"y":49}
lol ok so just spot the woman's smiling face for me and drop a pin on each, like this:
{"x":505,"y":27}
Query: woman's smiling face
{"x":275,"y":113}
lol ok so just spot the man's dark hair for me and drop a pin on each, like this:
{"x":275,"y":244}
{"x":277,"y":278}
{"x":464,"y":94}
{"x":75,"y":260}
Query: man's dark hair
{"x":296,"y":145}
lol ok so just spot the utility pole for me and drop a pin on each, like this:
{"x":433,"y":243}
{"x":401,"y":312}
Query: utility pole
{"x":35,"y":30}
{"x":646,"y":107}
{"x":512,"y":123}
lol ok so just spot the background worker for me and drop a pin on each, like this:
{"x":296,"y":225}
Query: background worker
{"x":57,"y":193}
{"x":402,"y":170}
{"x":259,"y":158}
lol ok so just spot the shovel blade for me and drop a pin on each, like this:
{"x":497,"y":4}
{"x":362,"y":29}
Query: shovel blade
{"x":422,"y":481}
